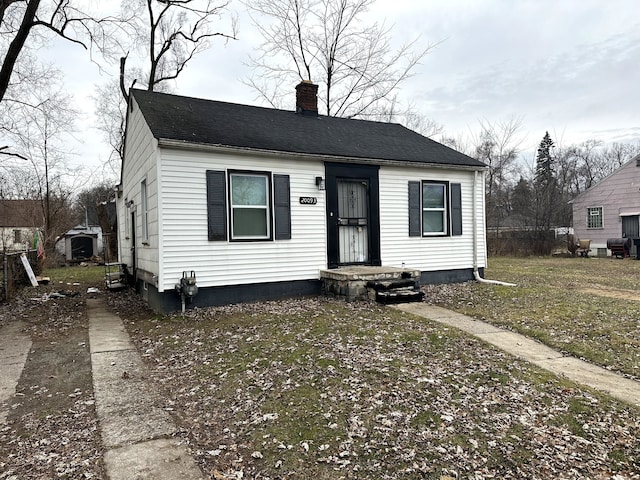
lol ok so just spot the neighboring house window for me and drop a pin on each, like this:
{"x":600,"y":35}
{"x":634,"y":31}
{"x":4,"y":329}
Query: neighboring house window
{"x":249,"y":206}
{"x":144,"y":211}
{"x":435,"y":209}
{"x":258,"y":208}
{"x":594,"y":217}
{"x":17,"y":236}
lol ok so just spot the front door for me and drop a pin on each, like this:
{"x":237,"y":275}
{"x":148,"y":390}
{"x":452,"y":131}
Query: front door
{"x":631,"y":229}
{"x":353,"y":215}
{"x":353,"y":221}
{"x":133,"y":247}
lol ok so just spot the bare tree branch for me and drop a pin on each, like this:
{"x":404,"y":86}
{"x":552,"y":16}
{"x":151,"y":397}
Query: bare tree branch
{"x":16,"y":45}
{"x":166,"y":35}
{"x":326,"y":42}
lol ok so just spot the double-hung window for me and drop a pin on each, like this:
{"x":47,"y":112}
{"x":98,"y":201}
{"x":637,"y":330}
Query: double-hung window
{"x":594,"y":217}
{"x":250,"y":215}
{"x":248,"y":206}
{"x":434,"y":208}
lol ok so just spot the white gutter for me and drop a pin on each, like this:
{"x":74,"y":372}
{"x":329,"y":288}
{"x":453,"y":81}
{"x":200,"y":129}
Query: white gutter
{"x":476,"y":273}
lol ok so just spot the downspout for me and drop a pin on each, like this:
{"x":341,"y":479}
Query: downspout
{"x":476,"y":273}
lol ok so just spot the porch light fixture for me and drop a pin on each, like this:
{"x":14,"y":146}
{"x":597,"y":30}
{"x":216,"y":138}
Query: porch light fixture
{"x":320,"y":183}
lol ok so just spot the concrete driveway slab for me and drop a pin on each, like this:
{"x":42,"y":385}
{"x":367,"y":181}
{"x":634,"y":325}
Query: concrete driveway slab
{"x":14,"y":350}
{"x":133,"y":424}
{"x":158,"y":460}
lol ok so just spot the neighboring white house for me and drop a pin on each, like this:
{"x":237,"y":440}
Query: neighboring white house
{"x":258,"y":201}
{"x":610,"y":209}
{"x":19,"y":221}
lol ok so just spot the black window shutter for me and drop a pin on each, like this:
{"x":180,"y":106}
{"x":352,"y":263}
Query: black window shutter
{"x":415,"y":210}
{"x":456,"y":209}
{"x":217,"y":205}
{"x":282,"y":206}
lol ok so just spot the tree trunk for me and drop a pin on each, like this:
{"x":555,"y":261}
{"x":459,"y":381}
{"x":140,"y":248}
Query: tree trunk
{"x":15,"y":47}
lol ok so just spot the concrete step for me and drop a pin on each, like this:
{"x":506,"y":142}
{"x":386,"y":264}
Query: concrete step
{"x":401,"y":295}
{"x":381,"y":285}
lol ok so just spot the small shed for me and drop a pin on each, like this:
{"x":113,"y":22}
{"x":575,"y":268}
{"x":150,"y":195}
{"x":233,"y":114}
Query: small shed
{"x":80,"y":243}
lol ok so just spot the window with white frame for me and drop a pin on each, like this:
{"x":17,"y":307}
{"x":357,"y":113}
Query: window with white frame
{"x":434,"y":208}
{"x":144,"y":210}
{"x":250,"y":215}
{"x":594,"y":217}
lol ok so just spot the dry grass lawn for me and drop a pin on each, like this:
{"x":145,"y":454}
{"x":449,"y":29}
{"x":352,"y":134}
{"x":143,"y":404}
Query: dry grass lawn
{"x":315,"y":388}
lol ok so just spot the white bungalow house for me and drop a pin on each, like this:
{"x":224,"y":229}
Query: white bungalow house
{"x":610,"y":209}
{"x":258,"y":202}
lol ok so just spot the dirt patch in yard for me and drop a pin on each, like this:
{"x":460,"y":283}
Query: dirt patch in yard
{"x":612,"y":293}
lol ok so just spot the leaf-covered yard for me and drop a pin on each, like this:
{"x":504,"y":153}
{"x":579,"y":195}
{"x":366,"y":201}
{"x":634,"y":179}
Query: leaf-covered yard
{"x":587,"y":307}
{"x":316,"y":388}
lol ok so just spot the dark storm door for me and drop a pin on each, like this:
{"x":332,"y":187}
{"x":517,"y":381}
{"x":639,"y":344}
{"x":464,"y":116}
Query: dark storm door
{"x":353,"y":215}
{"x":353,"y":221}
{"x":631,"y":229}
{"x":133,"y":247}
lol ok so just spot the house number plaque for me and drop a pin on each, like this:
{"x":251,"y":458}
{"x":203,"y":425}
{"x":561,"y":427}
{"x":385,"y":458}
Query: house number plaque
{"x":308,"y":200}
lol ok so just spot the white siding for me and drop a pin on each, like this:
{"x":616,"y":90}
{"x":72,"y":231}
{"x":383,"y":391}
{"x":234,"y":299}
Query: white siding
{"x":139,"y":164}
{"x":185,"y":245}
{"x":428,"y":253}
{"x":176,"y":187}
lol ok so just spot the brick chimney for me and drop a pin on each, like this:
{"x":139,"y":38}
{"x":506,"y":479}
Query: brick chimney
{"x":307,"y":98}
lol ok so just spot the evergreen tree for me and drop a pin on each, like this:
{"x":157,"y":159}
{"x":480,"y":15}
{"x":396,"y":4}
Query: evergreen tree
{"x":544,"y":161}
{"x":545,"y":197}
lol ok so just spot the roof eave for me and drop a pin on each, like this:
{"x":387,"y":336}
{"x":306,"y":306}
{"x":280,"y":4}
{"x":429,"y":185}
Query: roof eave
{"x":184,"y":145}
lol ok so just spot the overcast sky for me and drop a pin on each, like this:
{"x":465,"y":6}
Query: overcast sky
{"x":571,"y":67}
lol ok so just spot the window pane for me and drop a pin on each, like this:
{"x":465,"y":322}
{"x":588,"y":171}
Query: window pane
{"x":249,"y":222}
{"x":248,"y":190}
{"x":594,"y":217}
{"x":433,"y":222}
{"x":432,"y":196}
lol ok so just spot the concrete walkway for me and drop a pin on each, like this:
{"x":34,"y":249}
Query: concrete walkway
{"x":533,"y":351}
{"x":14,"y":349}
{"x":135,"y":431}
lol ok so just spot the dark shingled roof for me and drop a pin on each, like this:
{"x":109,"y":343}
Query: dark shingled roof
{"x":195,"y":120}
{"x":21,"y":213}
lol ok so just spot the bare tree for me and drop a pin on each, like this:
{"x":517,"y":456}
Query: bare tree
{"x":165,"y":36}
{"x":394,"y":111}
{"x":49,"y":121}
{"x":171,"y":33}
{"x":111,"y":112}
{"x":617,"y":154}
{"x":498,"y":146}
{"x":26,"y":26}
{"x":325,"y":41}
